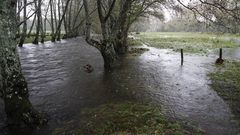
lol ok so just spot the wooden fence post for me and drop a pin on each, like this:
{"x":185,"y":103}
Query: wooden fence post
{"x":219,"y":60}
{"x":181,"y":56}
{"x":220,"y":53}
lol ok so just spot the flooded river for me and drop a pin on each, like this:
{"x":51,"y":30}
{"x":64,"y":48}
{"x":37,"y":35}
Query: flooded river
{"x":60,"y":87}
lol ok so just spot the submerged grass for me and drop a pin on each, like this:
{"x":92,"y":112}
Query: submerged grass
{"x":127,"y":118}
{"x":226,"y":82}
{"x":190,"y":42}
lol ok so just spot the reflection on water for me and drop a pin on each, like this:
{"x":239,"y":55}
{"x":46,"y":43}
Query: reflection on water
{"x":60,"y":87}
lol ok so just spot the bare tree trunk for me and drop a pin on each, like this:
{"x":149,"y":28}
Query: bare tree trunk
{"x":44,"y":24}
{"x":52,"y":22}
{"x":38,"y":27}
{"x":77,"y":16}
{"x":69,"y":19}
{"x":64,"y":20}
{"x":42,"y":31}
{"x":13,"y":86}
{"x":58,"y":31}
{"x":77,"y":11}
{"x":55,"y":15}
{"x":19,"y":5}
{"x":24,"y":30}
{"x":88,"y":21}
{"x":30,"y":30}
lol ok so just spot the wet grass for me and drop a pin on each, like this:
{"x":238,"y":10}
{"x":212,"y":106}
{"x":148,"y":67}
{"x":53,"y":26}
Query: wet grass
{"x":226,"y":82}
{"x":134,"y":42}
{"x":190,"y":42}
{"x":126,"y":118}
{"x":30,"y":39}
{"x":137,"y":51}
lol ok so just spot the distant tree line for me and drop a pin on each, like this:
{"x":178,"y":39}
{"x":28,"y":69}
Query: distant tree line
{"x":221,"y":15}
{"x":198,"y":16}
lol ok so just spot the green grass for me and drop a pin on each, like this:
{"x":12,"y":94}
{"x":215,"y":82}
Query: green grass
{"x":134,"y":42}
{"x":226,"y":82}
{"x":137,"y":51}
{"x":190,"y":42}
{"x":126,"y":118}
{"x":31,"y":38}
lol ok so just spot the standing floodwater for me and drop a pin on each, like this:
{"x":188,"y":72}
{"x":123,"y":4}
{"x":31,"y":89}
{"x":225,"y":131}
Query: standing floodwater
{"x":60,"y":87}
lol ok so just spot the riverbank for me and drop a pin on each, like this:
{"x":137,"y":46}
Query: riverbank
{"x":226,"y":82}
{"x":125,"y":118}
{"x":30,"y":39}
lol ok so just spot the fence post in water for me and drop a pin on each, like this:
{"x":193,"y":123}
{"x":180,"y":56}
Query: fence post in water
{"x":181,"y":56}
{"x":220,"y":53}
{"x":219,"y":60}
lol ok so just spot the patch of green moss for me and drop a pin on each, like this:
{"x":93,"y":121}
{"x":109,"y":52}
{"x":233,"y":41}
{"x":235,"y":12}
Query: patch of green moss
{"x":127,"y":118}
{"x":226,"y":82}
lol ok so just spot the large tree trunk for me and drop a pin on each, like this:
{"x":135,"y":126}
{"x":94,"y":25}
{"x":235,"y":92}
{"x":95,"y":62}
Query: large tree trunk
{"x":109,"y":55}
{"x":106,"y":46}
{"x":13,"y":86}
{"x":107,"y":49}
{"x":122,"y":27}
{"x":121,"y":46}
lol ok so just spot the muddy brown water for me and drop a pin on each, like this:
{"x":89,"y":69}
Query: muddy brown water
{"x":60,"y":87}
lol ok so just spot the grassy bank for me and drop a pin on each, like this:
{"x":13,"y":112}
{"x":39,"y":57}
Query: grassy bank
{"x":190,"y":42}
{"x":226,"y":82}
{"x":126,"y":118}
{"x":31,"y":38}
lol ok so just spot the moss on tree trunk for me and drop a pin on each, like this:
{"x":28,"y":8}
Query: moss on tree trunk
{"x":121,"y":46}
{"x":109,"y":55}
{"x":13,"y":86}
